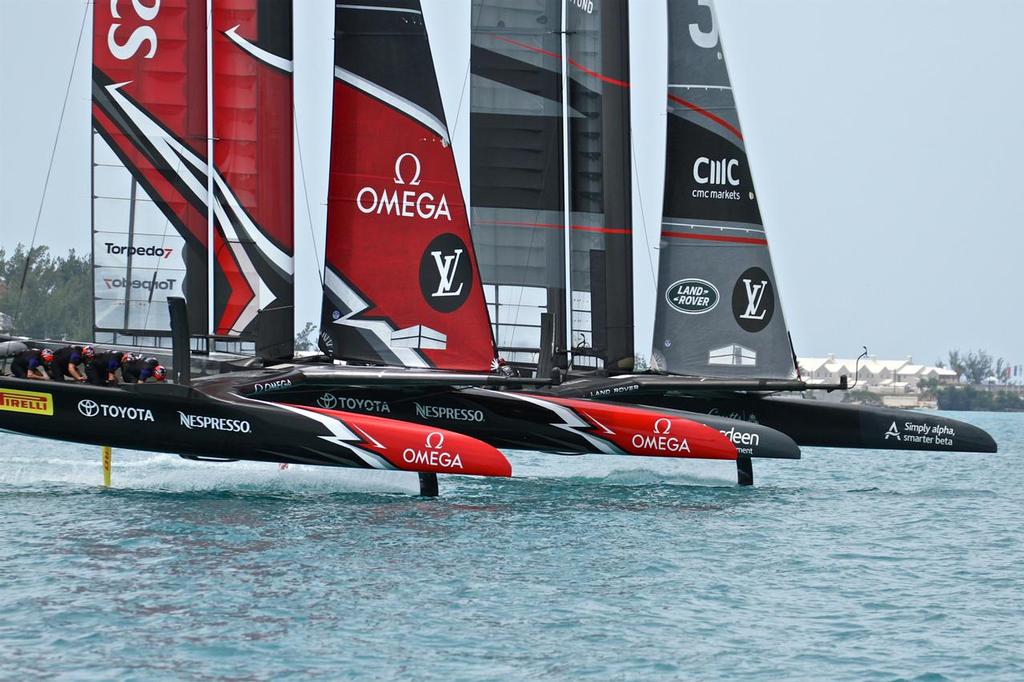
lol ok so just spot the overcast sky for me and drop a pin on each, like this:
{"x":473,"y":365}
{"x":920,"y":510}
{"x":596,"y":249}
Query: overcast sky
{"x":884,"y":137}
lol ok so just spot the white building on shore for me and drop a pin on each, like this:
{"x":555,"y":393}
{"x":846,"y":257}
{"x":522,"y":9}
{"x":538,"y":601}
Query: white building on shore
{"x":890,"y":377}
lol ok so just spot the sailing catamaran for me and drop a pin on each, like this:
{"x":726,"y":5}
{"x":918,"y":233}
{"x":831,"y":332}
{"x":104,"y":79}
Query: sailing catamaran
{"x":192,"y":225}
{"x":721,"y":345}
{"x":401,"y":286}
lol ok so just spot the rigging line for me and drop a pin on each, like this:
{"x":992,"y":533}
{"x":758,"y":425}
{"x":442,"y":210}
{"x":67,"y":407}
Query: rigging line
{"x":163,"y":243}
{"x":643,"y":215}
{"x":465,"y":80}
{"x":305,"y":193}
{"x":49,"y":169}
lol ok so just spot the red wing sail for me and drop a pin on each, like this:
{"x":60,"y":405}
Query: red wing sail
{"x":252,"y":126}
{"x":638,"y":431}
{"x":392,"y":444}
{"x":149,"y":166}
{"x":401,"y":282}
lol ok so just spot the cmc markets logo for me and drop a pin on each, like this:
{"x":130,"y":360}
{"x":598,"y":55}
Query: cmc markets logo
{"x":124,"y":250}
{"x":144,"y":284}
{"x":90,"y":408}
{"x":692,"y":296}
{"x":753,"y":300}
{"x":661,"y":440}
{"x":404,"y":203}
{"x":433,"y":453}
{"x":446,"y":275}
{"x":716,"y":172}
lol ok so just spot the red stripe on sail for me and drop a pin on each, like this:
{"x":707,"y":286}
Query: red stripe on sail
{"x":589,"y":72}
{"x":707,"y":114}
{"x":554,"y":226}
{"x":715,"y":238}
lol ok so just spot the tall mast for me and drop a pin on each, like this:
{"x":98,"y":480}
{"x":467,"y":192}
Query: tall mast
{"x":566,"y":182}
{"x":210,"y":255}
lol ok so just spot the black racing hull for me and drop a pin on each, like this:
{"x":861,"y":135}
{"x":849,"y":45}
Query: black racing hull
{"x":524,"y":420}
{"x":808,"y":422}
{"x":223,"y":425}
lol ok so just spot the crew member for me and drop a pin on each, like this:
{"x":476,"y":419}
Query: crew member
{"x":502,"y":367}
{"x":31,"y":363}
{"x":100,"y":370}
{"x":66,"y":361}
{"x":138,"y":370}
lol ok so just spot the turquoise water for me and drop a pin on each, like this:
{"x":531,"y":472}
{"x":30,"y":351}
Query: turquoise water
{"x":845,"y":565}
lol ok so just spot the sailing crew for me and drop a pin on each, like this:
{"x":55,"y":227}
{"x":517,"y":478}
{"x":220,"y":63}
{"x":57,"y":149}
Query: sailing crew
{"x":503,"y":368}
{"x":66,"y":361}
{"x":100,"y":370}
{"x":31,"y":363}
{"x":138,"y":370}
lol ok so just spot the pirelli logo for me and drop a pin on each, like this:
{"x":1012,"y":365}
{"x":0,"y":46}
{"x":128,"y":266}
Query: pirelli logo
{"x":29,"y":402}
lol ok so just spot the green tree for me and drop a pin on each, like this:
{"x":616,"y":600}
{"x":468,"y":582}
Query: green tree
{"x":56,"y":299}
{"x":977,"y":366}
{"x":303,"y":340}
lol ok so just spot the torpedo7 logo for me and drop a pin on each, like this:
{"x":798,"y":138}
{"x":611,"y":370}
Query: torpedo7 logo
{"x":122,"y":250}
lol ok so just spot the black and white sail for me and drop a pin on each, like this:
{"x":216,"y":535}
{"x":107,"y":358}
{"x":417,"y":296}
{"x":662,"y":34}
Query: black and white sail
{"x":550,"y":175}
{"x":718,"y":311}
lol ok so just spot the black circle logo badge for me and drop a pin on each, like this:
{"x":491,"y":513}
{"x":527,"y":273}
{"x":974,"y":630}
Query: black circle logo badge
{"x":753,"y":300}
{"x":446,"y":275}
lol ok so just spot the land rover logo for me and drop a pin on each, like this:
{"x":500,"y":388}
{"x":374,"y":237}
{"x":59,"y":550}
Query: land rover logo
{"x":692,"y":296}
{"x":753,"y":300}
{"x":446,"y":276}
{"x":88,"y":408}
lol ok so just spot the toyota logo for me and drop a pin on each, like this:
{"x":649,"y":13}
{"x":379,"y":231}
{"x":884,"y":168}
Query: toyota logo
{"x":432,"y":437}
{"x":662,"y":426}
{"x":327,"y":401}
{"x":88,"y":408}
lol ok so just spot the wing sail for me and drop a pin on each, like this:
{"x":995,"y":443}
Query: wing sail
{"x":253,"y":186}
{"x":718,"y":311}
{"x":401,"y":280}
{"x":149,"y":161}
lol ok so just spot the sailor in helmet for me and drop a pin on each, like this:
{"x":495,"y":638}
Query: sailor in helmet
{"x":138,"y":370}
{"x":31,"y":363}
{"x":66,"y":361}
{"x":100,"y":371}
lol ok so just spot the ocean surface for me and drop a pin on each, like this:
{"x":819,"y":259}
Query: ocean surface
{"x":845,"y":565}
